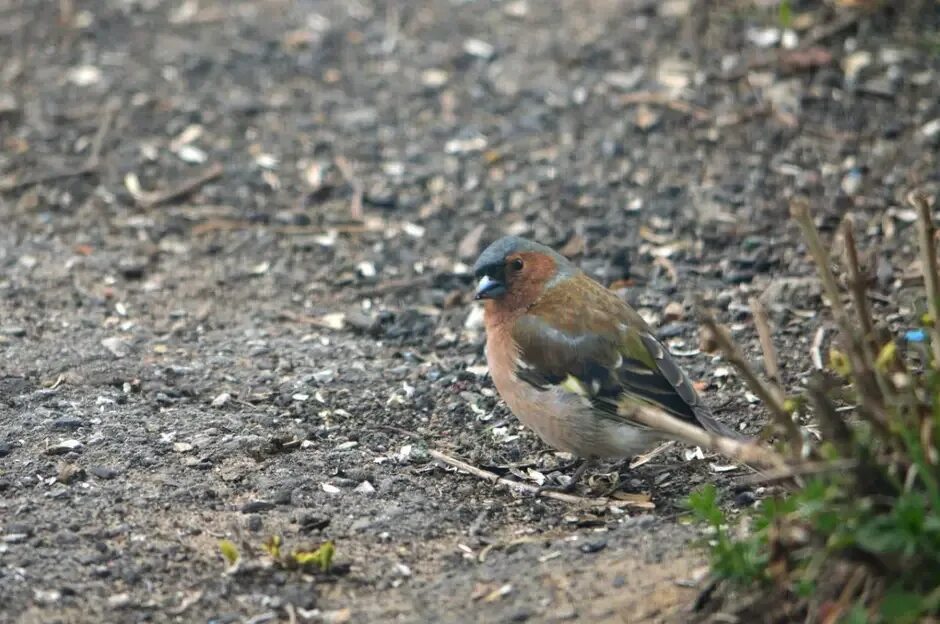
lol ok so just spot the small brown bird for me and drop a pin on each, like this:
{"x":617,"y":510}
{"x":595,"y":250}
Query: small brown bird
{"x":564,"y":352}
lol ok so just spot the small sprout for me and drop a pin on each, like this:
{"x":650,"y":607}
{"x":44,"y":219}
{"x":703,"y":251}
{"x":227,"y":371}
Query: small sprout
{"x":321,"y":557}
{"x":273,"y":546}
{"x":886,"y":356}
{"x":229,"y":551}
{"x":839,"y":362}
{"x":790,"y":406}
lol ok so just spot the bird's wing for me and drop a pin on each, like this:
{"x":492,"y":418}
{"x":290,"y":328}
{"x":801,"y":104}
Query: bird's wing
{"x":624,"y":361}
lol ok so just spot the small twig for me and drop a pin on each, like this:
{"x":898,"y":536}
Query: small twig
{"x":640,"y":460}
{"x":355,"y":205}
{"x":856,"y":279}
{"x":928,"y":260}
{"x":816,"y":348}
{"x":665,"y":99}
{"x":150,"y":199}
{"x":813,"y":39}
{"x":799,"y":209}
{"x":761,"y":322}
{"x":533,"y":489}
{"x":228,"y":225}
{"x":91,"y":164}
{"x":797,"y":470}
{"x":870,"y":384}
{"x":391,"y":286}
{"x":771,"y":395}
{"x":746,"y":452}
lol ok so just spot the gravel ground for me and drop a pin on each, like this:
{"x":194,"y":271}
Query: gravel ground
{"x":235,"y":302}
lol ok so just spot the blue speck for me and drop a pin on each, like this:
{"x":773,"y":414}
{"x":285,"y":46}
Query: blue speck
{"x":916,"y":335}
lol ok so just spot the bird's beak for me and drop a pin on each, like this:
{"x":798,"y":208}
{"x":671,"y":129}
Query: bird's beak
{"x":489,"y":288}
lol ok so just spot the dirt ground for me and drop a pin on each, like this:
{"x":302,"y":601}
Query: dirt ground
{"x":235,"y":300}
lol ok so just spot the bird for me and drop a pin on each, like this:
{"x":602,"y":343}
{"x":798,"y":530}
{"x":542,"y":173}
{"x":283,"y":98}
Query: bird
{"x":565,"y":353}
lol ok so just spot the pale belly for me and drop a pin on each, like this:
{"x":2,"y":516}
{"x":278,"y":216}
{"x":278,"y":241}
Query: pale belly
{"x":567,"y":421}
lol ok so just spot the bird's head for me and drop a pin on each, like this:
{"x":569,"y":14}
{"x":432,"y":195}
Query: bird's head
{"x":514,"y":272}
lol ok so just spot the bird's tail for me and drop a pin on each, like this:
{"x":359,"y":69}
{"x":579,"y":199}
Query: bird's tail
{"x":709,"y":423}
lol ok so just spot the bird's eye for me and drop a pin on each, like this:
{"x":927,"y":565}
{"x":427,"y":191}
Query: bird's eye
{"x":516,"y":264}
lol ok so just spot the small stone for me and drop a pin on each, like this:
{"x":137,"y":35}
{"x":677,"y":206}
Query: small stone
{"x":118,"y":601}
{"x":593,"y":547}
{"x":182,"y":447}
{"x":221,"y":399}
{"x":104,"y":472}
{"x":673,"y":311}
{"x":192,"y":154}
{"x":5,"y":449}
{"x":329,"y":488}
{"x":254,"y":523}
{"x":47,"y":596}
{"x":854,"y":63}
{"x":852,"y":182}
{"x":365,"y":488}
{"x":626,"y":81}
{"x":763,"y":37}
{"x":84,"y":75}
{"x":116,"y":346}
{"x":478,"y":48}
{"x":434,"y":78}
{"x":312,"y":522}
{"x":745,"y":499}
{"x":646,"y":118}
{"x":257,"y":506}
{"x":63,"y":447}
{"x":931,"y":129}
{"x":67,"y":423}
{"x":13,"y":330}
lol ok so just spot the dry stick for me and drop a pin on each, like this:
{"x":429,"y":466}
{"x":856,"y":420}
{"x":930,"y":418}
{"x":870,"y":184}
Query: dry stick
{"x":155,"y":198}
{"x":799,"y":209}
{"x":816,"y":348}
{"x":355,"y":205}
{"x":816,"y":36}
{"x":666,"y":100}
{"x":928,"y":258}
{"x":860,"y":300}
{"x":746,"y":452}
{"x":856,"y":280}
{"x":761,"y":322}
{"x":797,"y":470}
{"x":533,"y":489}
{"x":771,"y":395}
{"x":91,"y":164}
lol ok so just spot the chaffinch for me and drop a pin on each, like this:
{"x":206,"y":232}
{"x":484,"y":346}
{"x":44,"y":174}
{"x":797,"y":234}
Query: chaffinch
{"x":564,"y":352}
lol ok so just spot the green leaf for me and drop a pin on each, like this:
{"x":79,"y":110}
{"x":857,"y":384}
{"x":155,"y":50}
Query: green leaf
{"x":857,"y":615}
{"x":229,"y":551}
{"x":273,"y":546}
{"x":900,"y":607}
{"x":785,"y":14}
{"x":322,"y":556}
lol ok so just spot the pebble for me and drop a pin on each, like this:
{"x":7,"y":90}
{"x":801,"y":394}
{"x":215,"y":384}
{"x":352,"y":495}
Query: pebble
{"x":221,"y":399}
{"x":104,"y":472}
{"x":67,"y":423}
{"x":478,"y":48}
{"x":116,"y":346}
{"x":13,"y":330}
{"x":63,"y":447}
{"x":593,"y":547}
{"x":5,"y":449}
{"x":365,"y":488}
{"x":256,"y":506}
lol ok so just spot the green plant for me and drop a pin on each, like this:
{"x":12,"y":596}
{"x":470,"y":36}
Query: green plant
{"x":855,"y":535}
